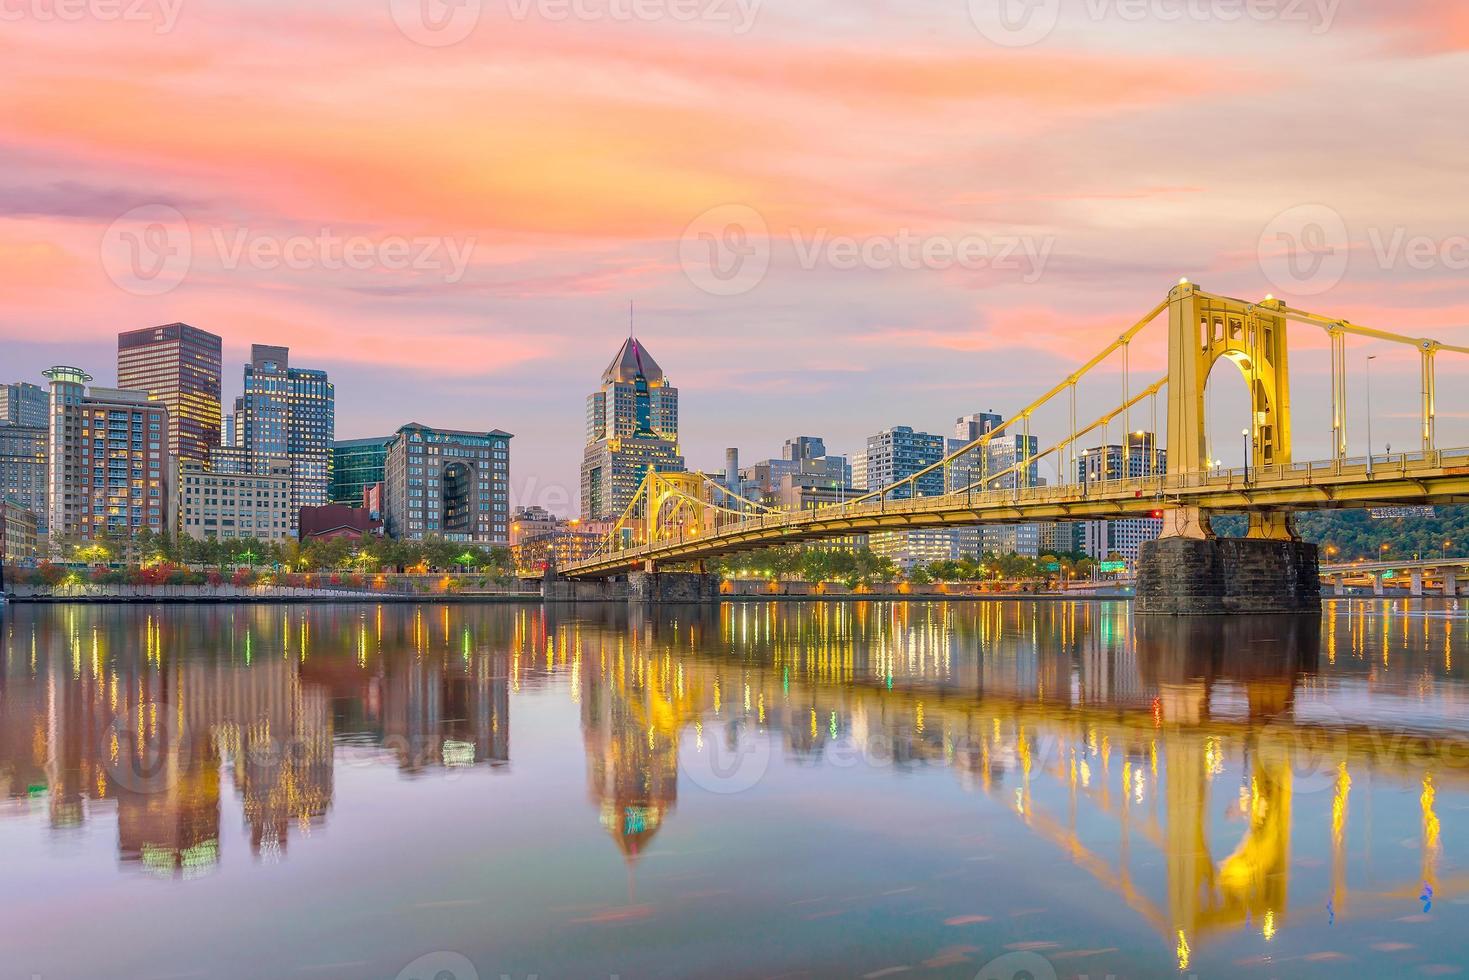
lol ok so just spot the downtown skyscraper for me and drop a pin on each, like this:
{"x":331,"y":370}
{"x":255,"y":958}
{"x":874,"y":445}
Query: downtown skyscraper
{"x":895,"y":454}
{"x":25,"y":411}
{"x":1139,"y":456}
{"x":288,"y":414}
{"x":632,"y":424}
{"x":178,"y":365}
{"x":110,"y":472}
{"x":24,"y":404}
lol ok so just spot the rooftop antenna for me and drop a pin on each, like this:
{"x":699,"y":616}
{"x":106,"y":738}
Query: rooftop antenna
{"x":629,"y":320}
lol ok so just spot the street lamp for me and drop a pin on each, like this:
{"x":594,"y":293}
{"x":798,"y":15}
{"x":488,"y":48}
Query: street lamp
{"x":1370,"y":359}
{"x":1246,"y":434}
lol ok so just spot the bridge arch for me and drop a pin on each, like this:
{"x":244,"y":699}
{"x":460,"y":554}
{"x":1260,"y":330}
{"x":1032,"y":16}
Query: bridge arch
{"x":1205,"y":329}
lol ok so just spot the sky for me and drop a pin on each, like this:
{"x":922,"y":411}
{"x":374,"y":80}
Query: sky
{"x":829,"y":216}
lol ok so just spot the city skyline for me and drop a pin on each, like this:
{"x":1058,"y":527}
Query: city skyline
{"x":849,"y":122}
{"x":710,"y":487}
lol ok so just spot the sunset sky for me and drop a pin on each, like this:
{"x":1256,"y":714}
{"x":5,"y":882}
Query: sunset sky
{"x":572,"y":164}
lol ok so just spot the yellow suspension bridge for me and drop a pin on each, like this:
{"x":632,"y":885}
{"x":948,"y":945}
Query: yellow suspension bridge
{"x":688,"y":517}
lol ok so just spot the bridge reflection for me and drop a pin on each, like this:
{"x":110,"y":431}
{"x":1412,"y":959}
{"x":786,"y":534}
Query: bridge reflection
{"x":1155,"y":733}
{"x":1176,"y":762}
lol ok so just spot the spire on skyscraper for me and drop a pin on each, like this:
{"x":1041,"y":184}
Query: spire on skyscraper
{"x":633,"y":361}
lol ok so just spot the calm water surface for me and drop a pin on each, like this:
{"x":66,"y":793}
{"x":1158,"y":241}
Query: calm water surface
{"x":752,"y":790}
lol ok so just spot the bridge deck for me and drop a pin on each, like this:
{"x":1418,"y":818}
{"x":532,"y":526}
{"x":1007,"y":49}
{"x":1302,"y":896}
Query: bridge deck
{"x":1440,"y":477}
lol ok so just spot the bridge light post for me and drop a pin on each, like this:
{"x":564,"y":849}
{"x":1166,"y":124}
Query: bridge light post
{"x":1246,"y":434}
{"x":1370,"y":359}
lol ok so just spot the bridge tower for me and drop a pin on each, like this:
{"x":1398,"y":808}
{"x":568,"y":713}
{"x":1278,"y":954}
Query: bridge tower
{"x":1202,"y":328}
{"x":1188,"y":569}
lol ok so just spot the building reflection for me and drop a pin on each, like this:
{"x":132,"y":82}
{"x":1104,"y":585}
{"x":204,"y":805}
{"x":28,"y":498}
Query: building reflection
{"x":635,"y":703}
{"x":1202,"y":748}
{"x":146,"y":719}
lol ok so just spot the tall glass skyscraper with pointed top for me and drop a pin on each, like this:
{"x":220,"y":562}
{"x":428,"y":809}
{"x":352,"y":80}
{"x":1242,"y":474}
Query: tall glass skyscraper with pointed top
{"x":632,"y":424}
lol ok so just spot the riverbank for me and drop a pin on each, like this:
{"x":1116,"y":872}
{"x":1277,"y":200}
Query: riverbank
{"x":522,"y":598}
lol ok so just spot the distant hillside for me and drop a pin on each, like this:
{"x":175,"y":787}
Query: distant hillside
{"x":1355,"y":534}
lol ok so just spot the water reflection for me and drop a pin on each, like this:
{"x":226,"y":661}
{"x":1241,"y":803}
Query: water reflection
{"x":1175,"y":762}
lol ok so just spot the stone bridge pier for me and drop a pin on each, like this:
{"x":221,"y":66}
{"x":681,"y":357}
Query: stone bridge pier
{"x":1210,"y":576}
{"x":638,"y":588}
{"x":652,"y":588}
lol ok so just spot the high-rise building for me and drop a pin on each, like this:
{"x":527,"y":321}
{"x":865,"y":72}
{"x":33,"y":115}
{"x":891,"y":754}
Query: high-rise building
{"x":1139,"y":457}
{"x":999,"y":465}
{"x":109,"y":469}
{"x":803,"y":477}
{"x":229,"y":459}
{"x":288,"y":414}
{"x":895,"y":454}
{"x":23,"y":478}
{"x":178,"y":365}
{"x":356,"y":465}
{"x":632,"y":425}
{"x":448,"y":483}
{"x":232,"y":426}
{"x":24,"y":435}
{"x":23,"y":403}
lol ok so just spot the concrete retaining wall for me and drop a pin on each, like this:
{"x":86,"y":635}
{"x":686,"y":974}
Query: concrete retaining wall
{"x":593,"y":590}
